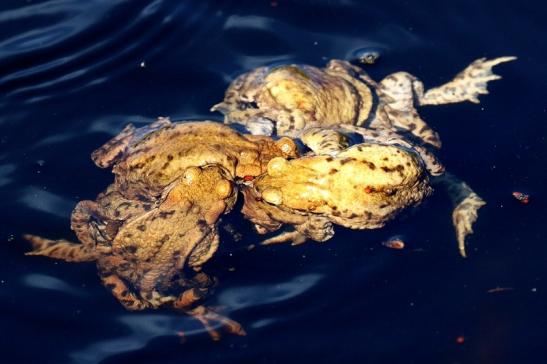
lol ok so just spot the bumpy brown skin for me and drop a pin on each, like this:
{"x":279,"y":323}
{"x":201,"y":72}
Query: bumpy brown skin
{"x":361,"y":187}
{"x":292,"y":99}
{"x":172,"y":182}
{"x":141,"y":248}
{"x":146,"y":160}
{"x":293,"y":95}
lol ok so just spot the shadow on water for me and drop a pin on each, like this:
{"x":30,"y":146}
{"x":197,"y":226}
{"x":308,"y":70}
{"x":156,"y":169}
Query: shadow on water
{"x":73,"y":73}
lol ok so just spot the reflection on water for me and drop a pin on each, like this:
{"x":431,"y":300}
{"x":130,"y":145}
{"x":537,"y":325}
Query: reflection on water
{"x":249,"y":296}
{"x":71,"y":77}
{"x":43,"y":281}
{"x":45,"y":201}
{"x":142,"y":328}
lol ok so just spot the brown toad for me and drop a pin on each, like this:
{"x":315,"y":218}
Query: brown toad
{"x":361,"y":187}
{"x":141,"y":251}
{"x":147,"y":159}
{"x":292,"y":99}
{"x":173,"y":181}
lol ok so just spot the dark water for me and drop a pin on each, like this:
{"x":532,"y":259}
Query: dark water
{"x":71,"y":77}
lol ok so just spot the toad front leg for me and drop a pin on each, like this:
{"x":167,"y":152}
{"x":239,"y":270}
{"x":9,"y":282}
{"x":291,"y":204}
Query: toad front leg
{"x":256,"y":121}
{"x":316,"y":228}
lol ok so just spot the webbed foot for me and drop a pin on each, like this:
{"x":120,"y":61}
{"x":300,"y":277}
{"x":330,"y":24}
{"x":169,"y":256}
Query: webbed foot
{"x":208,"y":317}
{"x":464,"y":216}
{"x":467,"y":85}
{"x":466,"y":203}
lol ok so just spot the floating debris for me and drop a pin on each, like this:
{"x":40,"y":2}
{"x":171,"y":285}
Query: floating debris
{"x":499,"y":289}
{"x":394,"y":243}
{"x":142,"y":64}
{"x":368,"y":55}
{"x":521,"y":197}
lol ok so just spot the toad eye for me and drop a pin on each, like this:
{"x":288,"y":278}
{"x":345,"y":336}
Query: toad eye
{"x":244,"y":105}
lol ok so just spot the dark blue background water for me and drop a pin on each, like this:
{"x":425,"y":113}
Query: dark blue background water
{"x":70,"y":78}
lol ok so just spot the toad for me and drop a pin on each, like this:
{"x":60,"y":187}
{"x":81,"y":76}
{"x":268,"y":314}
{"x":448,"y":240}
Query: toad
{"x":172,"y":182}
{"x":147,"y":159}
{"x":292,"y":99}
{"x":362,"y":187}
{"x":141,"y":251}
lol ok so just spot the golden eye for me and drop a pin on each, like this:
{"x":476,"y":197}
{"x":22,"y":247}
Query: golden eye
{"x":223,"y":189}
{"x":287,"y":146}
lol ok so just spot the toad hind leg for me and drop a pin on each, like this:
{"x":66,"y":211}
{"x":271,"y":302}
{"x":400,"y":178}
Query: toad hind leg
{"x":467,"y":203}
{"x":60,"y":249}
{"x":397,"y":94}
{"x":466,"y":86}
{"x":206,"y":316}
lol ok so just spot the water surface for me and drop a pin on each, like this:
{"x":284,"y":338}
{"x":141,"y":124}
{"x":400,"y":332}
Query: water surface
{"x":73,"y":73}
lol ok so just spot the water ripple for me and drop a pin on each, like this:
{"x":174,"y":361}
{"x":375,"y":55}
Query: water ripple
{"x":45,"y":201}
{"x":44,"y":281}
{"x":87,"y":42}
